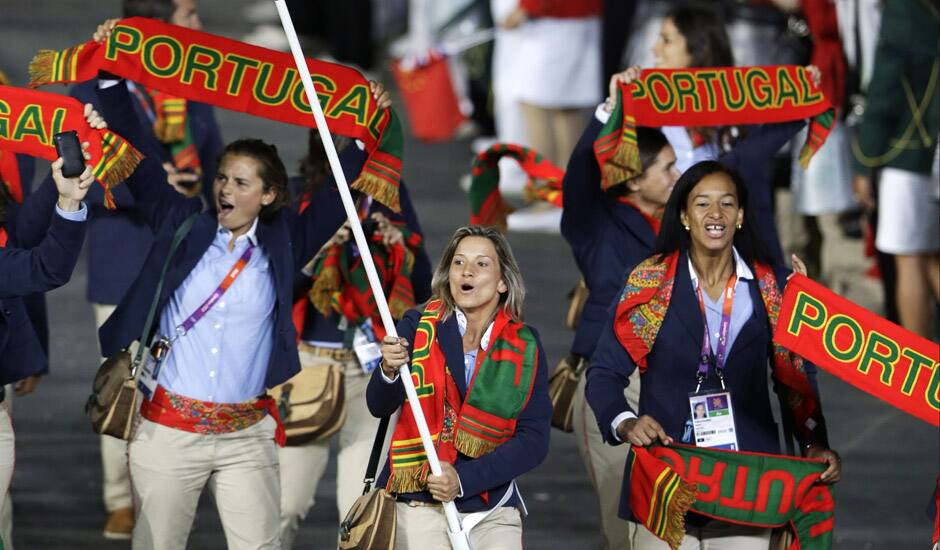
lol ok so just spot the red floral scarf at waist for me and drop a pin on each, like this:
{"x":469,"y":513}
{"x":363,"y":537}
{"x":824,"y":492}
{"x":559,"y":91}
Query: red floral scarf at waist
{"x":642,"y":308}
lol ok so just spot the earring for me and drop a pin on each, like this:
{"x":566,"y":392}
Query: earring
{"x":686,"y":228}
{"x":739,"y":225}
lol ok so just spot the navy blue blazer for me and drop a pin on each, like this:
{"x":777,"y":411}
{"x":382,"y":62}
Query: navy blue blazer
{"x":607,"y":237}
{"x":24,"y":332}
{"x":118,"y":240}
{"x":164,"y":210}
{"x":493,"y":472}
{"x":49,"y":265}
{"x":327,"y":210}
{"x":673,"y":363}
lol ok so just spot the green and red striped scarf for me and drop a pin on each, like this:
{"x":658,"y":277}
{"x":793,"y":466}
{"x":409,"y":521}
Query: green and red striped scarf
{"x":340,"y":284}
{"x":29,"y":119}
{"x":487,"y":206}
{"x":737,"y":487}
{"x":233,"y":75}
{"x":499,"y":391}
{"x":173,"y":128}
{"x":722,"y":96}
{"x":642,"y":309}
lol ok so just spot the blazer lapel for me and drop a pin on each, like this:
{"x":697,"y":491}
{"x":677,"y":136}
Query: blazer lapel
{"x":685,"y":304}
{"x":448,"y":337}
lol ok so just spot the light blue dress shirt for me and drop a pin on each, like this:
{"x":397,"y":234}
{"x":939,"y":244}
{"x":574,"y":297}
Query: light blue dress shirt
{"x":470,"y":357}
{"x":741,"y":305}
{"x":224,"y":358}
{"x":79,"y":215}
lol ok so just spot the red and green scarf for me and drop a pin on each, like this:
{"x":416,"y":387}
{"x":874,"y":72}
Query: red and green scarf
{"x":642,"y":308}
{"x":173,"y":128}
{"x":233,"y":75}
{"x":738,"y":487}
{"x":29,"y":119}
{"x":709,"y":97}
{"x":487,"y":206}
{"x":340,"y":284}
{"x":498,"y":392}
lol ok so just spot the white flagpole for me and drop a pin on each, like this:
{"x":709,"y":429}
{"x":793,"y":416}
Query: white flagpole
{"x":459,"y":539}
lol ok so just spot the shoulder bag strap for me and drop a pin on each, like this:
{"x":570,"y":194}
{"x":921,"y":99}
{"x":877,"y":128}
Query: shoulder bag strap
{"x":376,"y":454}
{"x":178,"y":237}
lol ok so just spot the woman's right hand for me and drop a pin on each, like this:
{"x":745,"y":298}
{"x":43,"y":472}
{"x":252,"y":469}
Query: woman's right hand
{"x":642,"y":431}
{"x":394,"y":354}
{"x":625,"y":77}
{"x":104,"y":30}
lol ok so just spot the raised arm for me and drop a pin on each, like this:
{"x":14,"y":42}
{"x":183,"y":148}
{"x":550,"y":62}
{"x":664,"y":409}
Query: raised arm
{"x":581,"y":189}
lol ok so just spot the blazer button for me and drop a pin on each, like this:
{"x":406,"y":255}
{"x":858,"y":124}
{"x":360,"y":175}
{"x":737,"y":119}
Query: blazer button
{"x":7,"y":312}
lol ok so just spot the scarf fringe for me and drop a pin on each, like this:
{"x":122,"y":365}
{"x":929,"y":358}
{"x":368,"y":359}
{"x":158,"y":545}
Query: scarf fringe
{"x":622,"y":165}
{"x":125,"y":162}
{"x":679,"y":505}
{"x":40,"y":68}
{"x":321,"y":295}
{"x":413,"y":479}
{"x":169,"y":132}
{"x":378,"y":189}
{"x":473,"y":446}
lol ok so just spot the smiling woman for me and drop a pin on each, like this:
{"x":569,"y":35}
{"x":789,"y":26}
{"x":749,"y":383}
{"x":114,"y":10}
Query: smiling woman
{"x":482,"y":381}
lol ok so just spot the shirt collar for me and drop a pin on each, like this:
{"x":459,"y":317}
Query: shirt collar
{"x":251,"y":235}
{"x":741,"y":268}
{"x":462,"y":326}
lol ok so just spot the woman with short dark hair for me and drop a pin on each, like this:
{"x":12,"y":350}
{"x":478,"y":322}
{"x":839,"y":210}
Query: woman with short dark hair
{"x":707,"y":278}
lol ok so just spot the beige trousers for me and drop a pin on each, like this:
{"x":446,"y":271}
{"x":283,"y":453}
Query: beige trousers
{"x":715,"y":535}
{"x":605,"y":464}
{"x":7,"y":461}
{"x":302,"y":466}
{"x":424,"y":527}
{"x":115,"y":483}
{"x":554,"y":132}
{"x":170,"y":467}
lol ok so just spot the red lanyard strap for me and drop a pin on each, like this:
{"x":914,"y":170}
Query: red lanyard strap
{"x":201,"y":311}
{"x":718,"y":359}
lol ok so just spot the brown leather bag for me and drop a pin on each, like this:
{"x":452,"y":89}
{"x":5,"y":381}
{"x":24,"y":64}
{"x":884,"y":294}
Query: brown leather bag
{"x":371,"y":523}
{"x":312,"y":403}
{"x":578,"y":297}
{"x":113,"y":401}
{"x":562,"y":386}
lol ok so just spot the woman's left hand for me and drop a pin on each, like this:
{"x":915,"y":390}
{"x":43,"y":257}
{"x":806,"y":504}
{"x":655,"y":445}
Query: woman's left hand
{"x":390,"y":234}
{"x":380,"y":94}
{"x":834,"y":472}
{"x":798,"y":266}
{"x":446,"y":486}
{"x":814,"y":74}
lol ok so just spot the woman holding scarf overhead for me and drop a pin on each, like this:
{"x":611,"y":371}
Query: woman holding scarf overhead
{"x":697,"y":320}
{"x":481,"y":377}
{"x":609,"y":231}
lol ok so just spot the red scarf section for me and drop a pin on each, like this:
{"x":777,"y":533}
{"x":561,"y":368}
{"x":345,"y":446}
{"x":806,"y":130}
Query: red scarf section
{"x":709,"y":97}
{"x":642,"y":309}
{"x":29,"y":119}
{"x":233,"y":75}
{"x":561,"y":8}
{"x":191,"y":415}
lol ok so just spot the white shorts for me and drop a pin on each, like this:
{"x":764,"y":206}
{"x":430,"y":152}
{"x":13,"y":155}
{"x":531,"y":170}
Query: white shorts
{"x":908,"y":213}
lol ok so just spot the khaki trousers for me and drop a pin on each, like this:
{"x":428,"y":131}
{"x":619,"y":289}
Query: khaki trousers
{"x":7,"y":461}
{"x":605,"y":464}
{"x":715,"y":535}
{"x":302,"y":466}
{"x":424,"y":527}
{"x":554,"y":132}
{"x":170,"y":467}
{"x":115,"y":482}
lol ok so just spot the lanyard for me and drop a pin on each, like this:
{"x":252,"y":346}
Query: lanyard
{"x":201,"y":311}
{"x":718,"y":359}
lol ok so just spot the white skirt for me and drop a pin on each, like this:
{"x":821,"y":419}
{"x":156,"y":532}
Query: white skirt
{"x":908,"y":213}
{"x":560,"y":63}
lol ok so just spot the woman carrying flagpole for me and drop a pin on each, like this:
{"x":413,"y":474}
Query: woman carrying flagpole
{"x":697,"y":318}
{"x":482,"y":385}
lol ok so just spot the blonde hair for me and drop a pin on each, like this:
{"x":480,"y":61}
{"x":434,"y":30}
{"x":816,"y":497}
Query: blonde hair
{"x":511,"y":301}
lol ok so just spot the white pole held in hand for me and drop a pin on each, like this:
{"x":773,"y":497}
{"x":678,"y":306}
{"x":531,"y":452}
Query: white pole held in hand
{"x":459,"y":539}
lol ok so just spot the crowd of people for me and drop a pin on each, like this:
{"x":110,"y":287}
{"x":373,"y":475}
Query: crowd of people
{"x":236,"y":255}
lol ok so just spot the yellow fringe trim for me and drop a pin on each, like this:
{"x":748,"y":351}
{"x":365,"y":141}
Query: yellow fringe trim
{"x":124,"y":165}
{"x":623,"y":165}
{"x":168,"y":132}
{"x":473,"y":446}
{"x":681,"y":501}
{"x":323,"y":288}
{"x":378,"y":189}
{"x":40,"y":68}
{"x":408,"y":480}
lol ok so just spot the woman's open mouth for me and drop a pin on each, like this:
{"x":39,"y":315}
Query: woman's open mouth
{"x":224,"y":207}
{"x":466,"y":287}
{"x":715,"y":230}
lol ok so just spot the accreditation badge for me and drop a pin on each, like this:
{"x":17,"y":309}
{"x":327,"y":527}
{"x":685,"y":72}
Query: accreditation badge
{"x":713,"y":420}
{"x":150,"y":368}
